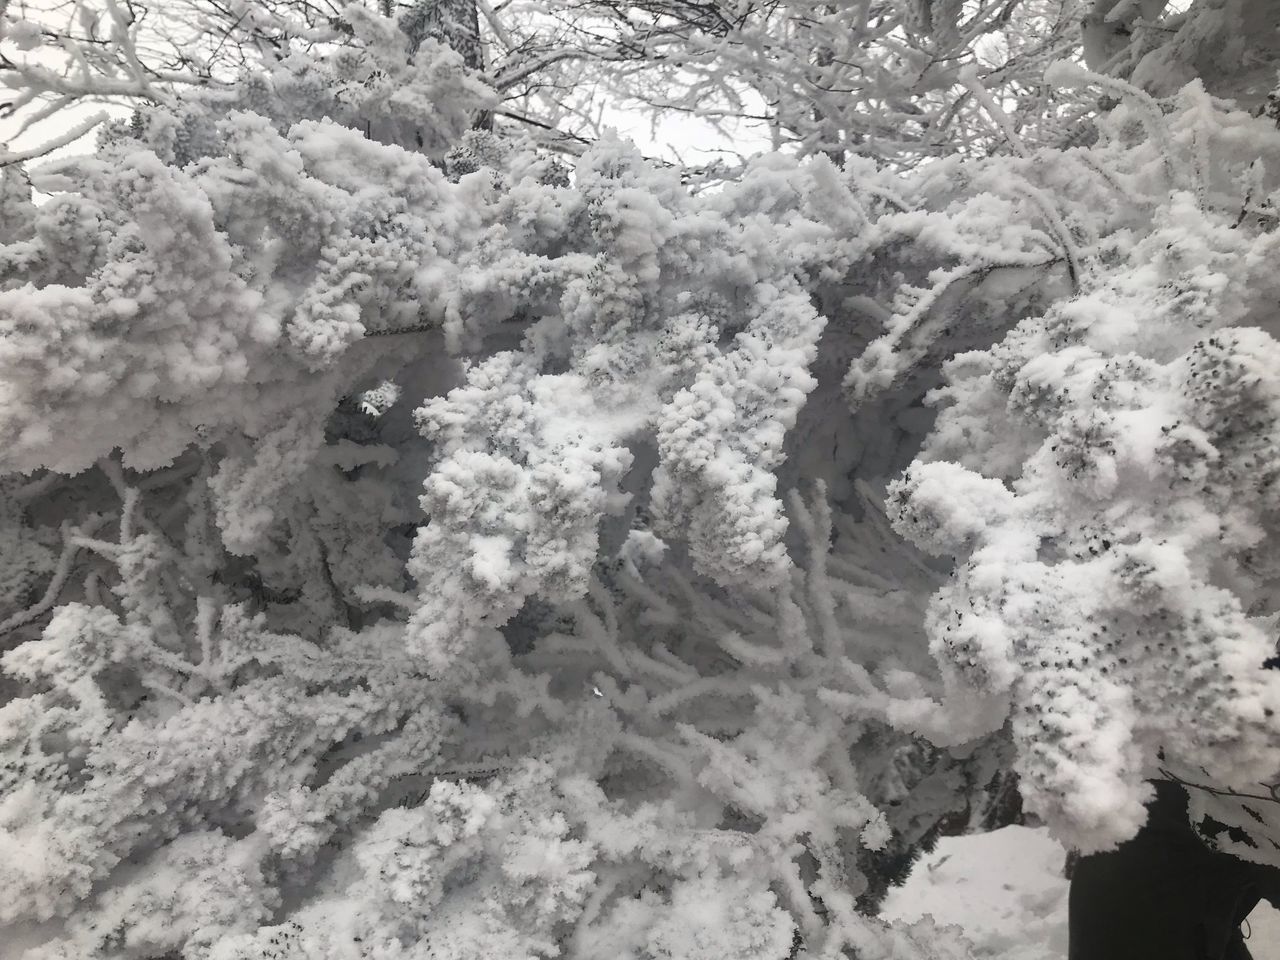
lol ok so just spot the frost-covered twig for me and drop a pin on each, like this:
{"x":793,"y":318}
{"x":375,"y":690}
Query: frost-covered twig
{"x":72,"y":541}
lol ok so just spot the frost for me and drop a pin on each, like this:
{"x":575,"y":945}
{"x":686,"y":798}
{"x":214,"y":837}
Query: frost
{"x":416,"y":548}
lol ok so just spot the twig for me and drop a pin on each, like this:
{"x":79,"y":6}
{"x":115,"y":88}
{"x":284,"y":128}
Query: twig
{"x":11,"y":157}
{"x":71,"y":543}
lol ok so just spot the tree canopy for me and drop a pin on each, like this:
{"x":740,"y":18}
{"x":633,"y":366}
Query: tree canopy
{"x":431,"y":528}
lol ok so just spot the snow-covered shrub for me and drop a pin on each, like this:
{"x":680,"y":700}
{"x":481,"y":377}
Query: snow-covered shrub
{"x":1104,"y":475}
{"x":241,"y":687}
{"x":412,"y":550}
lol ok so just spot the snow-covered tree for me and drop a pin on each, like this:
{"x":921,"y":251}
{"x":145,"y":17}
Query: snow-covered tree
{"x":416,"y":548}
{"x":900,"y":82}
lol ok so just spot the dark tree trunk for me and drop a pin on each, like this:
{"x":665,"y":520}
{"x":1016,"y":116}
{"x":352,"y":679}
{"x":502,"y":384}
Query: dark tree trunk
{"x":455,"y":23}
{"x":1164,"y":895}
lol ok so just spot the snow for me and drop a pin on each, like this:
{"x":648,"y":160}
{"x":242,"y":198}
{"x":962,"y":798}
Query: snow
{"x":1004,"y":889}
{"x":1264,"y":932}
{"x":1006,"y":892}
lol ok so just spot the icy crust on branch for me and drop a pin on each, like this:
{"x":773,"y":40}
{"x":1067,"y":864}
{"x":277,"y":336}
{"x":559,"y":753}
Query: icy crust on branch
{"x":233,"y":726}
{"x":1230,"y":45}
{"x":509,"y":871}
{"x":751,"y":702}
{"x":692,"y":786}
{"x":688,"y":322}
{"x":721,"y":438}
{"x":568,"y":675}
{"x":171,"y":764}
{"x":207,"y":261}
{"x":517,"y":516}
{"x":138,"y":343}
{"x":677,"y":317}
{"x":468,"y":872}
{"x":687,"y":775}
{"x":120,"y":787}
{"x":422,"y":100}
{"x":1105,"y":478}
